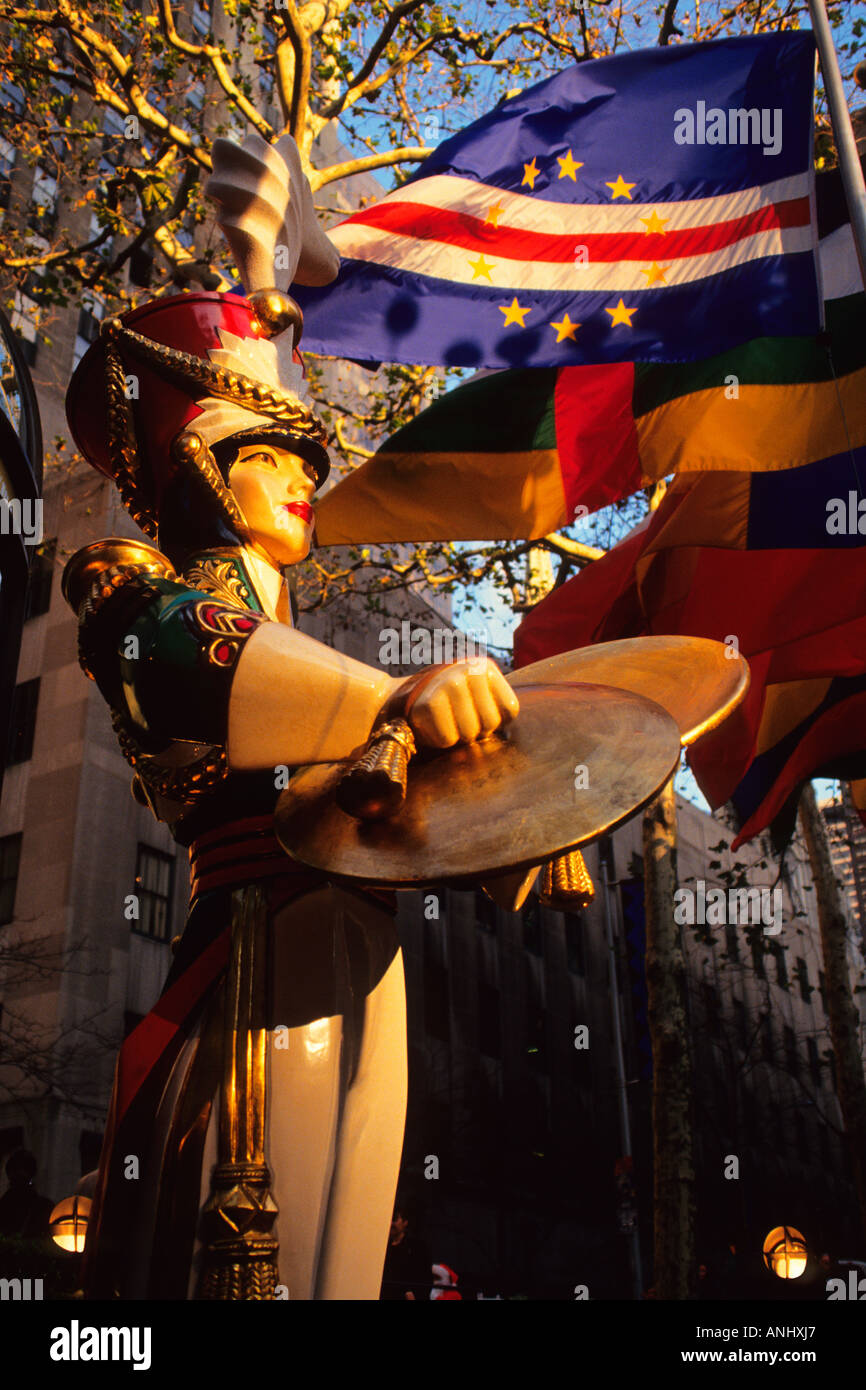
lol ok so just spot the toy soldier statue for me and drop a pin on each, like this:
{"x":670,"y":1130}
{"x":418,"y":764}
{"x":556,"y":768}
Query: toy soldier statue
{"x":193,"y":405}
{"x":256,"y":1125}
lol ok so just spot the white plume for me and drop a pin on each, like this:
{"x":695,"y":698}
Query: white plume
{"x":265,"y":207}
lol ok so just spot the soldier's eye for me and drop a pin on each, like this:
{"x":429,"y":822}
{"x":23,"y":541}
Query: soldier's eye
{"x":263,"y":458}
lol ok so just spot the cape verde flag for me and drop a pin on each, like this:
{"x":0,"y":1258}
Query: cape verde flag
{"x":656,"y":206}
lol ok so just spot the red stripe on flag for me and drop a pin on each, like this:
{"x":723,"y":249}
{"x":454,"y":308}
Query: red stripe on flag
{"x":596,"y":435}
{"x":424,"y":223}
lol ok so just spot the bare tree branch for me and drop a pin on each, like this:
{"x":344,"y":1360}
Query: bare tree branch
{"x":321,"y":177}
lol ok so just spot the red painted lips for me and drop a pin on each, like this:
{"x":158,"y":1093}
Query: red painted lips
{"x":301,"y":509}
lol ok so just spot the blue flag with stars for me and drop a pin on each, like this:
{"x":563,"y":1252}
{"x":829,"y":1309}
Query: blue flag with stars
{"x":657,"y":206}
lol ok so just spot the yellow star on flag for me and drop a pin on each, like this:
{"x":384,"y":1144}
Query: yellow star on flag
{"x":513,"y":312}
{"x":564,"y":328}
{"x":655,"y":274}
{"x":621,"y":315}
{"x":568,"y":168}
{"x":481,"y":267}
{"x":620,"y":189}
{"x":494,"y":215}
{"x":654,"y":223}
{"x":530,"y":173}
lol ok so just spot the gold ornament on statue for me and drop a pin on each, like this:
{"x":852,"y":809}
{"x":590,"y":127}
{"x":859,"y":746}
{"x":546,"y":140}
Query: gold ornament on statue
{"x":566,"y":884}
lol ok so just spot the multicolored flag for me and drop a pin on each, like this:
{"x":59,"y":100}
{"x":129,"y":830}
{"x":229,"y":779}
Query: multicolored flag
{"x":655,"y":206}
{"x":772,"y":564}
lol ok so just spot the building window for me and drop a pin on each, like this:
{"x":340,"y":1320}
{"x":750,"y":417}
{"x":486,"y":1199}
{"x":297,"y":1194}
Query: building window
{"x":574,"y":945}
{"x":23,"y":722}
{"x":801,"y":975}
{"x":766,"y":1038}
{"x":38,"y":598}
{"x":532,"y":927}
{"x":781,"y":965}
{"x":43,"y":203}
{"x":7,"y":164}
{"x":103,"y":249}
{"x":741,"y":1023}
{"x":757,"y":946}
{"x":25,"y":322}
{"x":90,"y":317}
{"x":814,"y":1061}
{"x":13,"y":97}
{"x":822,"y":989}
{"x":732,"y":944}
{"x":154,"y":876}
{"x":792,"y":1056}
{"x":113,"y":141}
{"x":201,"y":18}
{"x":10,"y":859}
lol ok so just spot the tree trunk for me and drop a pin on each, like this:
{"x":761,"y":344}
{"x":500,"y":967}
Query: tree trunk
{"x":673,"y":1166}
{"x":841,"y":1009}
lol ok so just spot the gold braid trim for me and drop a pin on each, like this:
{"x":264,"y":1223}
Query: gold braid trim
{"x":191,"y":453}
{"x":186,"y":784}
{"x":132,"y":485}
{"x":209,"y":379}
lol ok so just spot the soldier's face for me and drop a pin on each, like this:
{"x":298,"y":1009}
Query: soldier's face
{"x":274,"y":489}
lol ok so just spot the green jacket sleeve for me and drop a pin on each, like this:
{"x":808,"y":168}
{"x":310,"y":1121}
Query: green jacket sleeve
{"x":164,"y":656}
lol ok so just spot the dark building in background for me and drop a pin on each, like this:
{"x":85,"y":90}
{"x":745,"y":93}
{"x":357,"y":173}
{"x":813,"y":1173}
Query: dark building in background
{"x":847,"y":838}
{"x":20,"y":491}
{"x":516,"y":1172}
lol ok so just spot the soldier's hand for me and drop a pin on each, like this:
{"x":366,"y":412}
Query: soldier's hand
{"x":464,"y":701}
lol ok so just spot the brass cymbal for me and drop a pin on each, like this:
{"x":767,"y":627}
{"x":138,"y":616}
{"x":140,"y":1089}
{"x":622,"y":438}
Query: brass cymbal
{"x":577,"y":761}
{"x":696,"y":680}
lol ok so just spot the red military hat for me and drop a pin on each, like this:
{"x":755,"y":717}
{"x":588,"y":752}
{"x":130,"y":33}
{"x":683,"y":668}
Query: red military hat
{"x":215,"y":364}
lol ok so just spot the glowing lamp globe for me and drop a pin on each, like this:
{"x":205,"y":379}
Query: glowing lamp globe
{"x":68,"y":1223}
{"x":785,"y":1252}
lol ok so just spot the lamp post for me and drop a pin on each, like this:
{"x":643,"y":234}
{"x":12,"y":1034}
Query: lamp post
{"x":785,"y":1252}
{"x":68,"y":1223}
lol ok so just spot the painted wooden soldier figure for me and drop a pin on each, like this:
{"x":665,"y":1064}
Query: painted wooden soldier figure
{"x":264,"y":1095}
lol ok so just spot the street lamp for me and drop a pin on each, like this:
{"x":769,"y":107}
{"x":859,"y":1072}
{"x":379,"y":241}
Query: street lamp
{"x":785,"y":1252}
{"x":68,"y":1223}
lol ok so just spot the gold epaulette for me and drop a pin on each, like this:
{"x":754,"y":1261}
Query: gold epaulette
{"x":99,"y":571}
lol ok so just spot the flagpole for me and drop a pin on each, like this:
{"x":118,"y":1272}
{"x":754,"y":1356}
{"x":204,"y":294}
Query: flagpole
{"x":843,"y":132}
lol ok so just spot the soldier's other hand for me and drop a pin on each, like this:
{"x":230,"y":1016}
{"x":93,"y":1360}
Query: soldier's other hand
{"x":466,"y":700}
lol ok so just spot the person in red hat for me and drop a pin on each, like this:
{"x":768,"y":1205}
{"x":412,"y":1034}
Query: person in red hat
{"x":266,"y":1167}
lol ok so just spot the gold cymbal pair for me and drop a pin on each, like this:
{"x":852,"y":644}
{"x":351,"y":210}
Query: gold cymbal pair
{"x":598,"y":734}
